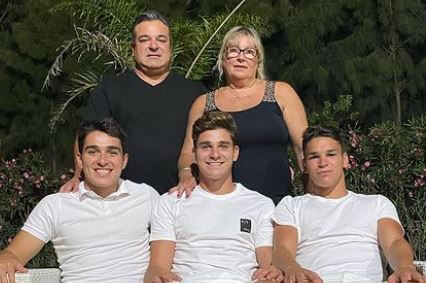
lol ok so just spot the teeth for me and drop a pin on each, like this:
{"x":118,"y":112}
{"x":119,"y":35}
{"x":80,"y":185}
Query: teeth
{"x":103,"y":172}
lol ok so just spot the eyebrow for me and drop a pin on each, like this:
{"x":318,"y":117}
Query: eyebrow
{"x":109,"y":148}
{"x":327,"y":151}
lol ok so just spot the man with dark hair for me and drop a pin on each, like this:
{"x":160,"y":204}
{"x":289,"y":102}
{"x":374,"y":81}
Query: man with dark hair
{"x":223,"y":233}
{"x":150,"y":102}
{"x":100,"y":233}
{"x":333,"y":234}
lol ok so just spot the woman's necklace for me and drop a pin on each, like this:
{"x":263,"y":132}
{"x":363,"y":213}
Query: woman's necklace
{"x":242,"y":92}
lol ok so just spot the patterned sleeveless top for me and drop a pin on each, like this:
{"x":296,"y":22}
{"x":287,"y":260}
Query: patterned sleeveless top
{"x":263,"y":139}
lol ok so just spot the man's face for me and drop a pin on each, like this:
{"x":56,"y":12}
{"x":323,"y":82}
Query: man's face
{"x":214,"y":153}
{"x":324,"y":161}
{"x":102,"y":160}
{"x":151,"y":48}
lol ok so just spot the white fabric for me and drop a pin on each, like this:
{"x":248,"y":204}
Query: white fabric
{"x":96,"y":239}
{"x":337,"y":236}
{"x":210,"y":246}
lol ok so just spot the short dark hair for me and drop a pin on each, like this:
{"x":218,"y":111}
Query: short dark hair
{"x":107,"y":125}
{"x":150,"y":15}
{"x":214,"y":120}
{"x":317,"y":132}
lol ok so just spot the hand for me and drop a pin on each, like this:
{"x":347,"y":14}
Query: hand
{"x":165,"y":278}
{"x":186,"y":184}
{"x":297,"y":274}
{"x":270,"y":273}
{"x":71,"y":185}
{"x":8,"y":269}
{"x":405,"y":274}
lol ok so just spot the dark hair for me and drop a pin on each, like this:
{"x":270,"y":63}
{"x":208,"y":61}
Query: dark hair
{"x":317,"y":132}
{"x":107,"y":125}
{"x":214,"y":120}
{"x":150,"y":15}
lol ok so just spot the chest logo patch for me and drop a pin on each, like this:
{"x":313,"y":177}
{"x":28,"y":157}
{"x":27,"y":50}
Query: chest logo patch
{"x":245,"y":225}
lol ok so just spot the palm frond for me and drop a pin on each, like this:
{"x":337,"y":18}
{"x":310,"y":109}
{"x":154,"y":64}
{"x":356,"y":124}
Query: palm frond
{"x":83,"y":82}
{"x":96,"y":42}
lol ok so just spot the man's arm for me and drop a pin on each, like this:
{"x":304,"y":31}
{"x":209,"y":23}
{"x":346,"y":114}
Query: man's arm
{"x":13,"y":258}
{"x":266,"y":271}
{"x":284,"y":254}
{"x":160,"y":264}
{"x":398,"y":252}
{"x":74,"y":182}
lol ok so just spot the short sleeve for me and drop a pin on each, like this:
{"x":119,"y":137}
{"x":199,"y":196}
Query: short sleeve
{"x":386,"y":209}
{"x":97,"y":105}
{"x":284,"y":213}
{"x":163,"y":219}
{"x":265,"y":231}
{"x":40,"y":222}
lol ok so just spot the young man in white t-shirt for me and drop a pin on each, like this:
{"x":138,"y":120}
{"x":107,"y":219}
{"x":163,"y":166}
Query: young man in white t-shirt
{"x":333,"y":234}
{"x":100,"y":233}
{"x":223,"y":232}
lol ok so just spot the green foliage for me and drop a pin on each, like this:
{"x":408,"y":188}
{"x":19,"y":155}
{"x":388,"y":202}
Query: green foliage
{"x":27,"y":46}
{"x":371,"y":49}
{"x":389,"y":160}
{"x":24,"y":181}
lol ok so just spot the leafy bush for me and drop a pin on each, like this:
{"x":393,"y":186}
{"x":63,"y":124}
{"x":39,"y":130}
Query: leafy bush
{"x":24,"y":181}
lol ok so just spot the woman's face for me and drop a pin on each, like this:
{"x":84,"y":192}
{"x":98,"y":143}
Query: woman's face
{"x":240,"y":59}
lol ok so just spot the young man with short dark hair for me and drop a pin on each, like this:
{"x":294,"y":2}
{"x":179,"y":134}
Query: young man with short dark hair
{"x":101,"y":232}
{"x":333,"y":234}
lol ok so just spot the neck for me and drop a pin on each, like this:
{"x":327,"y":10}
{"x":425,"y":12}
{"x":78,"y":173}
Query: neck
{"x":242,"y":84}
{"x":336,"y":192}
{"x":152,"y":77}
{"x":217,"y":187}
{"x":102,"y":192}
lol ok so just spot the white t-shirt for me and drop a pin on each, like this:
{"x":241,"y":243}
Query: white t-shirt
{"x":216,"y":235}
{"x":96,"y":239}
{"x":337,"y":236}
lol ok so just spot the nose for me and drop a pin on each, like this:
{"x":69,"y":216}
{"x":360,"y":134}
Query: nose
{"x":153,"y":44}
{"x":322,"y":161}
{"x":214,"y":153}
{"x":103,"y":159}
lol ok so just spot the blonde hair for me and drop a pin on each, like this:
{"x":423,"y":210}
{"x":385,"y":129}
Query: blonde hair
{"x":254,"y":36}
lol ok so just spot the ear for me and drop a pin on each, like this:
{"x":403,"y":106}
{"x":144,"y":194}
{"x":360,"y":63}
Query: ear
{"x":305,"y":170}
{"x":78,"y":159}
{"x":236,"y":153}
{"x":125,"y":159}
{"x":345,"y":160}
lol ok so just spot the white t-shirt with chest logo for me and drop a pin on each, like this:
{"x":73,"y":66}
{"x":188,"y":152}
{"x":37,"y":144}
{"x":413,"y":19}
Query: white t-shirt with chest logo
{"x":216,"y":235}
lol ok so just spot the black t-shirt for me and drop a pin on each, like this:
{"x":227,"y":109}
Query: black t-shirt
{"x":154,"y":118}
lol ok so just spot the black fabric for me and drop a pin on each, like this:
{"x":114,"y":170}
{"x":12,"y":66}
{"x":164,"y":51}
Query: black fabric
{"x":154,"y":118}
{"x":263,"y":139}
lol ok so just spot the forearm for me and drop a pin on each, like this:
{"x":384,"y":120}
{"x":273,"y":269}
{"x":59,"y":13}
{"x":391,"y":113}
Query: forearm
{"x":264,"y":256}
{"x":8,"y":256}
{"x":400,"y":254}
{"x":185,"y":160}
{"x":282,"y":258}
{"x":299,"y":157}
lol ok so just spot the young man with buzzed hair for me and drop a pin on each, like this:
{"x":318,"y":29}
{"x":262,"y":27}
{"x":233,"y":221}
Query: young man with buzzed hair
{"x":101,"y":232}
{"x":223,"y":233}
{"x":332,"y":234}
{"x":150,"y":102}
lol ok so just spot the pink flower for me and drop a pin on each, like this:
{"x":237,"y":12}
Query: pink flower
{"x":26,"y":175}
{"x":367,"y":164}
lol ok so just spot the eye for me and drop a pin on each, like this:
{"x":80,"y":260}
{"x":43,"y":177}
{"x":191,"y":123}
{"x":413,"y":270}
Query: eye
{"x":143,"y":39}
{"x":91,"y":152}
{"x":163,"y":39}
{"x":233,"y":50}
{"x":250,"y":51}
{"x":331,"y":154}
{"x":224,"y":146}
{"x":114,"y":152}
{"x":313,"y":157}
